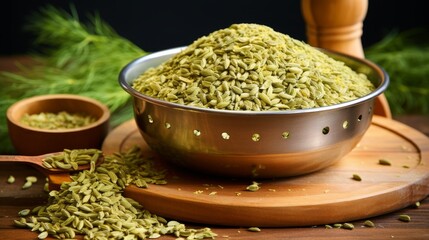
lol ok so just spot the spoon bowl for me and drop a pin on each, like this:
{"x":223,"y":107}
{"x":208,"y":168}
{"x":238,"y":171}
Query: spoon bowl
{"x":37,"y":161}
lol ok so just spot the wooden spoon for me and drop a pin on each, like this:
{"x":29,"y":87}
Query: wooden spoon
{"x":36,"y":161}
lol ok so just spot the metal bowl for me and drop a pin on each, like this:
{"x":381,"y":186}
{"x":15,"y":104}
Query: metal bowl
{"x":262,"y":144}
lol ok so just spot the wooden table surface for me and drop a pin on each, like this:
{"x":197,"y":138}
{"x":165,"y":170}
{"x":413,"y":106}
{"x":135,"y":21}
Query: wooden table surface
{"x":13,"y":199}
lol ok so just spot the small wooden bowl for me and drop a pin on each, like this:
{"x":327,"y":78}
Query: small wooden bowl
{"x":33,"y":141}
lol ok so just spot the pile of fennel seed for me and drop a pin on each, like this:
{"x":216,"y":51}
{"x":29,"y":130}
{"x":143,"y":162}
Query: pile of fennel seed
{"x":92,"y":205}
{"x":252,"y":67}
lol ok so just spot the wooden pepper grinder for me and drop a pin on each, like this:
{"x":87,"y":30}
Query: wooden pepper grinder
{"x":337,"y":25}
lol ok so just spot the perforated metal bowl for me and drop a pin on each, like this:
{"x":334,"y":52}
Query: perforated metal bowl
{"x":252,"y":144}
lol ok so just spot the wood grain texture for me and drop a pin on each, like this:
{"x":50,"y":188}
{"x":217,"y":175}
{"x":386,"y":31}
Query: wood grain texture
{"x":14,"y":199}
{"x":324,"y":197}
{"x":335,"y":24}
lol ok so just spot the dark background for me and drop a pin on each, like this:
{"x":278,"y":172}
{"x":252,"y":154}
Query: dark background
{"x":156,"y":25}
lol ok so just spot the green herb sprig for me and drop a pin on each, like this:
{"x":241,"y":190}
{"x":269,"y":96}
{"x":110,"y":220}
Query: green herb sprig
{"x":405,"y":57}
{"x":75,"y":58}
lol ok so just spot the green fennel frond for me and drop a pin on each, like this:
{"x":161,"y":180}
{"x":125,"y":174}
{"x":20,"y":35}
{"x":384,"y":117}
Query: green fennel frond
{"x":75,"y":58}
{"x":405,"y":57}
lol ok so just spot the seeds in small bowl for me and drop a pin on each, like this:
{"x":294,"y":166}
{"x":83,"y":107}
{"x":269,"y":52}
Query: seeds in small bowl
{"x":60,"y":120}
{"x":54,"y":122}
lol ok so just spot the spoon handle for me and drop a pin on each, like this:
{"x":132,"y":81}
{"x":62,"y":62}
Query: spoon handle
{"x":19,"y":158}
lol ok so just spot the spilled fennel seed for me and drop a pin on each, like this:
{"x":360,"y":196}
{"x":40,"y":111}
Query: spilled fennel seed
{"x":384,"y":162}
{"x":356,"y":177}
{"x":24,"y":212}
{"x":43,"y":235}
{"x":254,"y":229}
{"x":32,"y":179}
{"x":92,"y":205}
{"x":404,"y":218}
{"x":29,"y":180}
{"x":337,"y":225}
{"x":253,"y":187}
{"x":27,"y":185}
{"x":348,"y":226}
{"x":369,"y":223}
{"x":11,"y":179}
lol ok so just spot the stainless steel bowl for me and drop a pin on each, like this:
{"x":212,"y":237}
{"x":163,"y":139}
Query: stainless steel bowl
{"x":252,"y":144}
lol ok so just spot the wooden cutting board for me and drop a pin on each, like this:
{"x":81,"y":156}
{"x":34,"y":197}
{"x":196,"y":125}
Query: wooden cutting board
{"x":327,"y":196}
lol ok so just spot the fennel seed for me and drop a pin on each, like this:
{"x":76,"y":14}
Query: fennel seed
{"x":254,"y":229}
{"x":253,"y":187}
{"x":43,"y":235}
{"x":384,"y":162}
{"x":356,"y":177}
{"x":416,"y":204}
{"x":348,"y":226}
{"x":24,"y":212}
{"x":337,"y":225}
{"x":10,"y":179}
{"x":32,"y":179}
{"x":369,"y":223}
{"x":27,"y":185}
{"x":404,"y":218}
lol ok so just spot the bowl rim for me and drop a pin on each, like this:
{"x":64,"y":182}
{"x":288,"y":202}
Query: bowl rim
{"x":100,"y":121}
{"x":385,"y":80}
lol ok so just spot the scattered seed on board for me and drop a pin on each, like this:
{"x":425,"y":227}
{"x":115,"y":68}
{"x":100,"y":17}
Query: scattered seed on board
{"x":416,"y":204}
{"x":356,"y":177}
{"x":11,"y":179}
{"x":404,"y":218}
{"x":254,"y":229}
{"x":337,"y":225}
{"x":348,"y":226}
{"x":46,"y":187}
{"x":92,"y":204}
{"x":384,"y":162}
{"x":368,"y":223}
{"x":253,"y":187}
{"x":32,"y":179}
{"x":43,"y":235}
{"x":24,"y":212}
{"x":27,"y":185}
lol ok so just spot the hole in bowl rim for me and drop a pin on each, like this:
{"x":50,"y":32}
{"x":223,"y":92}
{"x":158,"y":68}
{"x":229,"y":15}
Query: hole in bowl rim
{"x":105,"y":116}
{"x":125,"y":83}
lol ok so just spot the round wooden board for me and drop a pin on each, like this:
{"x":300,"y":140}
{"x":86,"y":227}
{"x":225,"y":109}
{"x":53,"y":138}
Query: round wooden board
{"x":324,"y":197}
